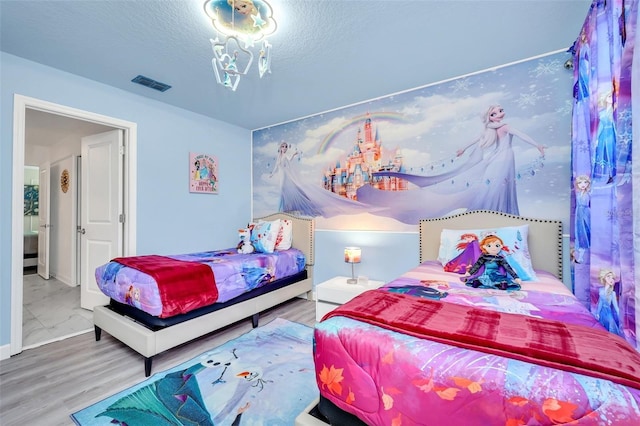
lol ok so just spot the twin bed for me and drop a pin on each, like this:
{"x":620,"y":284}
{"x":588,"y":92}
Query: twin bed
{"x":456,"y":354}
{"x":160,"y":328}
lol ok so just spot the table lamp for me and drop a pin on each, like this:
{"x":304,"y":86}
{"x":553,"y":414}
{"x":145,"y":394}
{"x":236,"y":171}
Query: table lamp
{"x":352,"y":255}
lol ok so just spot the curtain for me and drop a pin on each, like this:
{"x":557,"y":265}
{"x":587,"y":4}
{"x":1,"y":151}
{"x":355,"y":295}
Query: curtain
{"x":605,"y":217}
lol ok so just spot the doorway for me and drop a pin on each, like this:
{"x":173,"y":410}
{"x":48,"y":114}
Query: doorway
{"x":23,"y":106}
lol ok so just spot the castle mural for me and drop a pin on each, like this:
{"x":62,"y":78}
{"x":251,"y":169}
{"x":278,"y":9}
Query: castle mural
{"x":360,"y":166}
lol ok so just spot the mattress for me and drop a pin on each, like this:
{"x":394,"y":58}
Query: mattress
{"x":383,"y":376}
{"x":156,"y":323}
{"x":233,"y":274}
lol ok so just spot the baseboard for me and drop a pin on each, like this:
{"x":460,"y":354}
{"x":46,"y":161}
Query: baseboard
{"x":5,"y":352}
{"x":64,"y":279}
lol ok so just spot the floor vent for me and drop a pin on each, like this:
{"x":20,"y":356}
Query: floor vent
{"x":149,"y":82}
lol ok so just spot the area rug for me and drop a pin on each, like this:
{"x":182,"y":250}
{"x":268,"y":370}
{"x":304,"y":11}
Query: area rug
{"x":264,"y":377}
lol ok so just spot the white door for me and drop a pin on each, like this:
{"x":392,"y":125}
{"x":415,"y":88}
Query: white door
{"x":101,"y":200}
{"x":44,"y":221}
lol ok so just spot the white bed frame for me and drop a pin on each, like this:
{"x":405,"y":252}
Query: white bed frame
{"x":542,"y":234}
{"x":150,"y":343}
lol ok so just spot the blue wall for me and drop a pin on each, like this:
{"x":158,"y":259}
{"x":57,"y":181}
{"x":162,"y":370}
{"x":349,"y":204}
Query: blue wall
{"x":385,"y":255}
{"x":170,"y":219}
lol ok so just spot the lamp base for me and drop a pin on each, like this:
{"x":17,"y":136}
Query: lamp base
{"x":353,"y":279}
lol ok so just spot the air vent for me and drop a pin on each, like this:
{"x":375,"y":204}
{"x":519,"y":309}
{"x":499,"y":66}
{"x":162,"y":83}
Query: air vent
{"x":149,"y":82}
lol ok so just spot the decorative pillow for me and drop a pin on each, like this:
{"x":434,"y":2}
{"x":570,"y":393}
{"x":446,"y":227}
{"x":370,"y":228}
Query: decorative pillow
{"x":460,"y":248}
{"x":285,"y":235}
{"x":264,"y":236}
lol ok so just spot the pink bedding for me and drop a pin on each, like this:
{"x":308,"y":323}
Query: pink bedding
{"x":386,"y":377}
{"x":566,"y":346}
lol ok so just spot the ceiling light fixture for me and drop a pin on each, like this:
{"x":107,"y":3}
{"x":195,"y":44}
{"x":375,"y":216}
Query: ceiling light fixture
{"x":244,"y":24}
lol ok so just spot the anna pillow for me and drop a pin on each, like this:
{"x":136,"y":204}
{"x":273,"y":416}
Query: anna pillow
{"x":460,"y":248}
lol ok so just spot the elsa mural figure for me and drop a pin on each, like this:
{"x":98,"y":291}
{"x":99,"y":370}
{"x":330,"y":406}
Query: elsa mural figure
{"x":302,"y":198}
{"x":486,"y":180}
{"x":498,"y":161}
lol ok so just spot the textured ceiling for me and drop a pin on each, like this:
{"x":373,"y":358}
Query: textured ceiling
{"x":326,"y":53}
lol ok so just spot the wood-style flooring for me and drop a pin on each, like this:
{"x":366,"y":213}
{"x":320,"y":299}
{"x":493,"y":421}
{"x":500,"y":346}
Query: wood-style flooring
{"x":44,"y":385}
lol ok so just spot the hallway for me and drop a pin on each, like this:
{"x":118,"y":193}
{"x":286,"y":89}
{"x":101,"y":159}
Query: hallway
{"x":51,"y":312}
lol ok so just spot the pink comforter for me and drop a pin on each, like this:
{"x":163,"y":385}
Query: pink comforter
{"x":555,"y":344}
{"x":386,"y":377}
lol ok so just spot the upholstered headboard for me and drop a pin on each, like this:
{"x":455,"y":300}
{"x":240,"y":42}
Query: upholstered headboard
{"x":303,"y":233}
{"x":545,"y":236}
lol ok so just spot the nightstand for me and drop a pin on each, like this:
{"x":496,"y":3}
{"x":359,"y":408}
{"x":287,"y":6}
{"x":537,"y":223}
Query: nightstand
{"x":334,"y":292}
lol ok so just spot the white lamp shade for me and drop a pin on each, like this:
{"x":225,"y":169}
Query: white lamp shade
{"x":352,"y":254}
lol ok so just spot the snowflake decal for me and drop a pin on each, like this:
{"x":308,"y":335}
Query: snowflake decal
{"x":528,"y":99}
{"x":266,"y":136}
{"x":546,"y":68}
{"x":461,"y":85}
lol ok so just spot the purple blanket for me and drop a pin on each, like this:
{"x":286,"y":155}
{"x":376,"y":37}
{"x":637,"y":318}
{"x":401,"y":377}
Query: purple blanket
{"x":234,"y":274}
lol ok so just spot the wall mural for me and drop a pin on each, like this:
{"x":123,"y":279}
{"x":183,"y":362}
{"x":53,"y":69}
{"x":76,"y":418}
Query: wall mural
{"x":497,"y":140}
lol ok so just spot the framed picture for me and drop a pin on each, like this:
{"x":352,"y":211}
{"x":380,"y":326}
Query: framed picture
{"x":31,"y":193}
{"x":203,"y":173}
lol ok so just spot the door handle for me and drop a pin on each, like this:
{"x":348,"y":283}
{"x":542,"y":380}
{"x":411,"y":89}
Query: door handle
{"x":81,"y":230}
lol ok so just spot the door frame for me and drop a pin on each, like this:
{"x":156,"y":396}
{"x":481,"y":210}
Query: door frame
{"x":20,"y":105}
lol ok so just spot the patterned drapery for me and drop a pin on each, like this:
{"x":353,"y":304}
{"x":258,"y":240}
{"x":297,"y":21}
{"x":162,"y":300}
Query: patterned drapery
{"x":605,"y":218}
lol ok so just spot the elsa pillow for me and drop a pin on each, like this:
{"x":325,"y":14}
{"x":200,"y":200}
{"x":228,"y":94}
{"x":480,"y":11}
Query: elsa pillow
{"x":460,"y":248}
{"x":264,"y":236}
